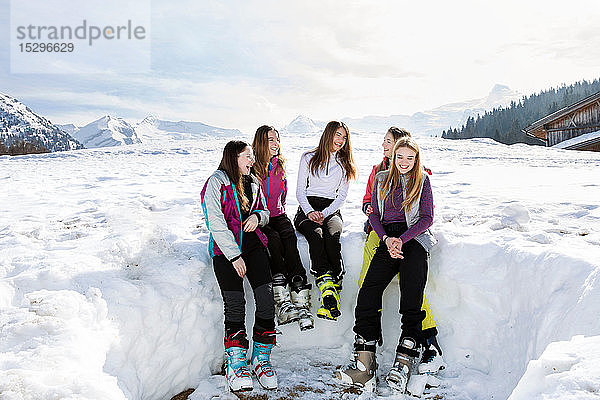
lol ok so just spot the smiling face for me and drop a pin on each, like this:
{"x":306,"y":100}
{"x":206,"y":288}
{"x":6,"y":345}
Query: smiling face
{"x":388,"y":145}
{"x":405,"y":159}
{"x":339,"y":139}
{"x":273,"y":142}
{"x":245,"y":161}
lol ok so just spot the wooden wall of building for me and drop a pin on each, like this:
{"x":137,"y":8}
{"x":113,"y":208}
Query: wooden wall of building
{"x":584,"y":120}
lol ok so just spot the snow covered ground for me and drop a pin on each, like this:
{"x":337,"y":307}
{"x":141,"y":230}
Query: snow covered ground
{"x":107,"y":290}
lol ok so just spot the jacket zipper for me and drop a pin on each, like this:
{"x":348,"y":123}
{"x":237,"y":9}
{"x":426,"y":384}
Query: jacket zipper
{"x":237,"y":203}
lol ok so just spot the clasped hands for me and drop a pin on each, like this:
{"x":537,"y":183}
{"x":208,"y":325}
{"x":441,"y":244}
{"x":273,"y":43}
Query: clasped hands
{"x":394,"y":246}
{"x":316,"y":216}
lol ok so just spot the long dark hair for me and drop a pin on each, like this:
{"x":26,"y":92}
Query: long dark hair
{"x":396,"y":133}
{"x":229,"y":164}
{"x":260,"y":145}
{"x":323,"y":151}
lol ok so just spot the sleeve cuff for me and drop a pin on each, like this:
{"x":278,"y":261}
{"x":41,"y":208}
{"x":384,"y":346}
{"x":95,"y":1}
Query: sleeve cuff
{"x":364,"y":207}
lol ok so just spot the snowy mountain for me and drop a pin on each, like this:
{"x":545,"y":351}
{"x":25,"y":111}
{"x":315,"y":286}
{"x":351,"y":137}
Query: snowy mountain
{"x":106,"y":131}
{"x":18,"y":122}
{"x":110,"y":293}
{"x":154,"y":129}
{"x":69,"y":128}
{"x":303,"y":124}
{"x":432,"y":122}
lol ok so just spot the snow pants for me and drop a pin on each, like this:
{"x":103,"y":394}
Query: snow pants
{"x":429,"y":326}
{"x":323,"y":240}
{"x":232,"y":290}
{"x":413,"y":277}
{"x":283,"y":246}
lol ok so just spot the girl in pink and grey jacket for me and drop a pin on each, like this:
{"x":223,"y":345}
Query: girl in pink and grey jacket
{"x":286,"y":266}
{"x":234,"y":211}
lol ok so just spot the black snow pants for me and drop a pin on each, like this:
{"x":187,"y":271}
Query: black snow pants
{"x":413,"y":277}
{"x":323,"y":240}
{"x":283,"y":246}
{"x":258,"y":272}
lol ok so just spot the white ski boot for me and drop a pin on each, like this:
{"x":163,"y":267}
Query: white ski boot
{"x":361,"y":372}
{"x":301,"y":298}
{"x":285,"y":311}
{"x":261,"y":365}
{"x":407,"y":357}
{"x":236,"y":370}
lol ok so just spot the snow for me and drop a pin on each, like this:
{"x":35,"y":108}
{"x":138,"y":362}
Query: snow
{"x":17,"y":121}
{"x":107,"y":290}
{"x":566,"y":370}
{"x":577,"y":140}
{"x":302,"y":124}
{"x":153,"y":129}
{"x":106,"y":131}
{"x":12,"y":106}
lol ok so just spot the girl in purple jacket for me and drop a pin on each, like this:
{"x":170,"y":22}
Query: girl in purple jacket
{"x":234,"y":211}
{"x":286,"y":265}
{"x":402,"y":204}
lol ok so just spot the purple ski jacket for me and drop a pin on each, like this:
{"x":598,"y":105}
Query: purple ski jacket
{"x":274,"y":187}
{"x":222,"y":214}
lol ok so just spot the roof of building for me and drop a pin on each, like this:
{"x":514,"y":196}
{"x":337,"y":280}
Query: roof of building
{"x":561,"y":113}
{"x":579,"y":141}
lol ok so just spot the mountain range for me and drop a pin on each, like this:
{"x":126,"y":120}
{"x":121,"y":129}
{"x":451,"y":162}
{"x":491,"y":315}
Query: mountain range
{"x":427,"y":123}
{"x":106,"y":131}
{"x":18,"y":122}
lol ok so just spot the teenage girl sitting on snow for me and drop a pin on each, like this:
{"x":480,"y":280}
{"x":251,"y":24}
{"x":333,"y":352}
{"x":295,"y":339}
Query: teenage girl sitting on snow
{"x":431,"y":361}
{"x":323,"y":180}
{"x":402,"y":204}
{"x":286,"y":266}
{"x":234,"y":210}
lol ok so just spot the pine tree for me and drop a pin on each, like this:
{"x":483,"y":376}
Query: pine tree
{"x":505,"y":124}
{"x":21,"y":147}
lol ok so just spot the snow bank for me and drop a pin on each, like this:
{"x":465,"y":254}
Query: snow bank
{"x":567,"y":370}
{"x":56,"y":348}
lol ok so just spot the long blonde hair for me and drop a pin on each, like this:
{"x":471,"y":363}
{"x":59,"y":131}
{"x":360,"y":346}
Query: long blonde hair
{"x":415,"y":175}
{"x":323,"y":151}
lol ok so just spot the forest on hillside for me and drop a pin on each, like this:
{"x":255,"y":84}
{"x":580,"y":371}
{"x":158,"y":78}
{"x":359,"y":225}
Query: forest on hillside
{"x":505,"y":124}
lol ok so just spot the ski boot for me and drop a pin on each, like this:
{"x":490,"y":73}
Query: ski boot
{"x":432,"y":361}
{"x":338,"y":284}
{"x":330,"y":300}
{"x":301,"y":298}
{"x":361,"y":372}
{"x":236,"y":365}
{"x":261,"y":359}
{"x":407,"y":357}
{"x":285,"y":311}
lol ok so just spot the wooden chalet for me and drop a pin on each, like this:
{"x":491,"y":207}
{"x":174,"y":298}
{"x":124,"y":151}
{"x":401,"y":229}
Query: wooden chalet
{"x":581,"y":118}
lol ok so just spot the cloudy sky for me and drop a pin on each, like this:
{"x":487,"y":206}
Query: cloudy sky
{"x":239,"y":64}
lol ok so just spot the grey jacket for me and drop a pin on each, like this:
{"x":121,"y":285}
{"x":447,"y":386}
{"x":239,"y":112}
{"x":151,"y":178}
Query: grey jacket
{"x":221,"y":208}
{"x":412,"y":215}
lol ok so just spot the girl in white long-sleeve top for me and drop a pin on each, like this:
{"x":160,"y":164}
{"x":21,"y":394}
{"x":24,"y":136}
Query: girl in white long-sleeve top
{"x":323,"y":180}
